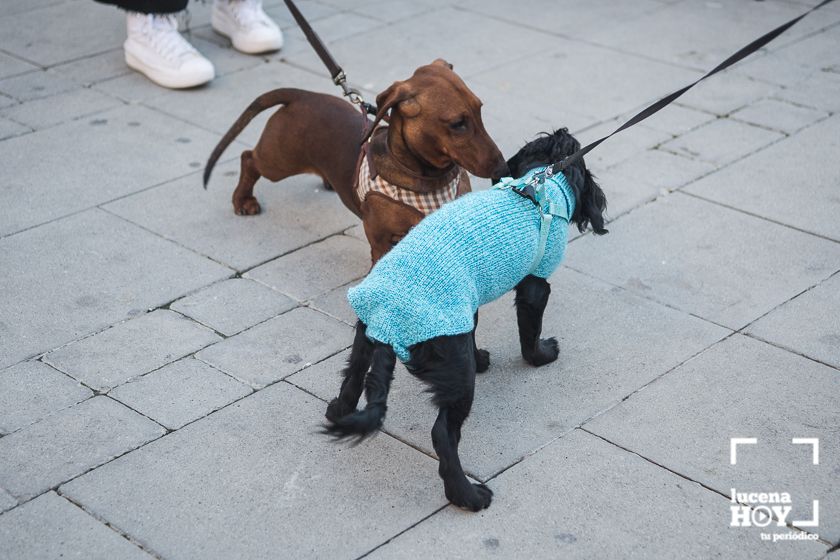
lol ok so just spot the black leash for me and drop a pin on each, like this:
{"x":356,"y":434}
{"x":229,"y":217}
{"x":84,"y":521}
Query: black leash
{"x":338,"y":76}
{"x":667,"y":100}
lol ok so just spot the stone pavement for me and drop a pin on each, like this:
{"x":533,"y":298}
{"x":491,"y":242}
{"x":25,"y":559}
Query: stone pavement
{"x":164,"y":364}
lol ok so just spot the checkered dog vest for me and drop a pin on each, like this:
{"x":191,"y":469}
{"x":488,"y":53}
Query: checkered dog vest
{"x":425,"y":202}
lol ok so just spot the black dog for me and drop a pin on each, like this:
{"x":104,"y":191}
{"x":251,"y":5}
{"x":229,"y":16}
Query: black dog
{"x":448,"y":364}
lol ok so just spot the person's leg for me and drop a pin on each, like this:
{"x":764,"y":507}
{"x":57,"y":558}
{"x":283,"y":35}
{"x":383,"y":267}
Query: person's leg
{"x":247,"y":25}
{"x":156,"y":49}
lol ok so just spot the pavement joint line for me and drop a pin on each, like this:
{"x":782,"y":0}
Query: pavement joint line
{"x":759,"y":216}
{"x":99,"y":205}
{"x":791,"y":350}
{"x":603,"y":411}
{"x":680,"y":190}
{"x":689,"y":479}
{"x":112,"y":527}
{"x":649,"y":298}
{"x":586,"y":42}
{"x":409,"y":528}
{"x":174,"y":242}
{"x":146,"y":416}
{"x":114,"y":458}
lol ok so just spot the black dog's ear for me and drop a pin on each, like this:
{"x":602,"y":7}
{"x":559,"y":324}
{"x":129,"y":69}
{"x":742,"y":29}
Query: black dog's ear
{"x":591,"y":203}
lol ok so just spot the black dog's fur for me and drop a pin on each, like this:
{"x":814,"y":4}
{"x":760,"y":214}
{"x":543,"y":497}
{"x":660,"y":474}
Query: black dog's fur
{"x":448,"y":364}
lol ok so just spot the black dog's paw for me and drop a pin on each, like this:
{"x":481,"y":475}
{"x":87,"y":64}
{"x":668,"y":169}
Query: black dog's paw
{"x":473,"y":497}
{"x":337,"y":409}
{"x":482,"y":360}
{"x":547,"y":351}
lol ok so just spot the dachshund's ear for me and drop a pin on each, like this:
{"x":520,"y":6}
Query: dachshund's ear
{"x":399,"y":94}
{"x":591,"y":204}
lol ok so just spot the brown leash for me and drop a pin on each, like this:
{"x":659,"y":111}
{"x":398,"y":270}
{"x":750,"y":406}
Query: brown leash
{"x":337,"y":74}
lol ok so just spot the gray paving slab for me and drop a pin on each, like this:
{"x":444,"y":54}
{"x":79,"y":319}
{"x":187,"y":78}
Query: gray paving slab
{"x":741,"y":388}
{"x":793,"y":182}
{"x":554,"y":95}
{"x":30,"y":391}
{"x":676,"y":120}
{"x":36,"y":85}
{"x":84,"y":273}
{"x":621,"y":147}
{"x":233,"y":305}
{"x":646,"y":176}
{"x":51,"y":527}
{"x":796,"y":62}
{"x":571,"y":500}
{"x":6,"y":101}
{"x":112,"y":357}
{"x":468,"y":40}
{"x":11,"y":66}
{"x":519,"y":408}
{"x":726,"y":93}
{"x":255,"y":481}
{"x":10,"y":129}
{"x":295,"y":212}
{"x":712,"y":32}
{"x":578,"y":18}
{"x":808,"y":324}
{"x":16,"y":8}
{"x":392,"y":11}
{"x":96,"y":28}
{"x":180,"y":392}
{"x":43,"y":183}
{"x":69,"y":443}
{"x":779,"y":115}
{"x":819,"y":90}
{"x":63,"y":107}
{"x":95,"y":68}
{"x":335,"y":27}
{"x":218,"y":104}
{"x":279,"y":347}
{"x":703,"y":269}
{"x":7,"y":501}
{"x":722,"y":141}
{"x":317,"y":268}
{"x":335,"y":304}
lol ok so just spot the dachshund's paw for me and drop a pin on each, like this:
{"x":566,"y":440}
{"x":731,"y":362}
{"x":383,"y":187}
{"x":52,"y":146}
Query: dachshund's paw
{"x":473,"y":497}
{"x":482,"y":360}
{"x":546,"y":352}
{"x":338,"y":409}
{"x":247,"y":206}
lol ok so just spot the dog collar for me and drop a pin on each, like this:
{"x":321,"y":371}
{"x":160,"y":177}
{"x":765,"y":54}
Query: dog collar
{"x":532,"y":186}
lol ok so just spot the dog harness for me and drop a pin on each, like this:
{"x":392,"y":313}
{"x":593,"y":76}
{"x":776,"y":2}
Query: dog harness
{"x":470,"y":252}
{"x":426,"y":202}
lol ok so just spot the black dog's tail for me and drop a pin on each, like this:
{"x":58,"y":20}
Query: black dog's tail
{"x":363,"y":423}
{"x":282,"y":96}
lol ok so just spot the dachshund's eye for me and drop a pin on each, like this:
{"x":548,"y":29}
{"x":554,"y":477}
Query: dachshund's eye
{"x":459,"y":126}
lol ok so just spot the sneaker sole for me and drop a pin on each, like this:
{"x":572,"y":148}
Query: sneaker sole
{"x":223,"y":26}
{"x":170,"y":81}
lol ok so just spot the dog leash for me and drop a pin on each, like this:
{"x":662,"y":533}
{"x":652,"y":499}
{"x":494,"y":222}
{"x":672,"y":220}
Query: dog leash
{"x":337,"y":74}
{"x":668,"y":99}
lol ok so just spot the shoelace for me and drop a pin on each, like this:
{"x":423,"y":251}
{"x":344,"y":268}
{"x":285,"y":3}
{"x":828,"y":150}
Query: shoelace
{"x":162,"y":32}
{"x":247,"y":13}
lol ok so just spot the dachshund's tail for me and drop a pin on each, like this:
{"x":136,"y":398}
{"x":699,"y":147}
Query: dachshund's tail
{"x":282,"y":96}
{"x":361,"y":424}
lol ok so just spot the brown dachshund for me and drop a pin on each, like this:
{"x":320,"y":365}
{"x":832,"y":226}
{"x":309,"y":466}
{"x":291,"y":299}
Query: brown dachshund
{"x":435,"y":130}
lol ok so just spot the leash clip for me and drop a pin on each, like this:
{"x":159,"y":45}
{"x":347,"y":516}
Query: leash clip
{"x":354,"y":95}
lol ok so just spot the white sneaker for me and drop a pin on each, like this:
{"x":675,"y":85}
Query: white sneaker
{"x":247,"y":25}
{"x":155,"y":48}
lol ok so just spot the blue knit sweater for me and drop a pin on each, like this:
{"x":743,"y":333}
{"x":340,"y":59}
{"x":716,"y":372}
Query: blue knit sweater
{"x":468,"y":253}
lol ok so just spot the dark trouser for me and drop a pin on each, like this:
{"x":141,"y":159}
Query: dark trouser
{"x":149,"y":6}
